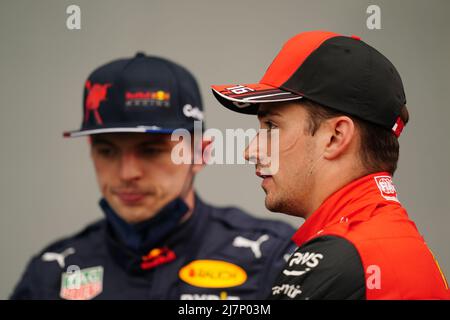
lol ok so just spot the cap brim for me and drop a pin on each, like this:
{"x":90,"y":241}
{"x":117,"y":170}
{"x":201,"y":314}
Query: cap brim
{"x":139,"y":129}
{"x":246,"y":98}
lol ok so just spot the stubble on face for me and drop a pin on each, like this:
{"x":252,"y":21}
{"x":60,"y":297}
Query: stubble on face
{"x":289,"y":190}
{"x":152,"y":182}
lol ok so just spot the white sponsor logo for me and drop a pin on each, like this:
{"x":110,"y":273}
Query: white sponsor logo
{"x":255,"y":246}
{"x":386,"y":187}
{"x":58,"y":257}
{"x":241,"y":104}
{"x":307,"y":259}
{"x":287,"y":289}
{"x":192,"y":112}
{"x":240,"y":89}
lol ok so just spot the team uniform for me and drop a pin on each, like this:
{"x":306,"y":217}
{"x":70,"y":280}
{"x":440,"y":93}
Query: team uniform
{"x":218,"y":253}
{"x":360,"y":244}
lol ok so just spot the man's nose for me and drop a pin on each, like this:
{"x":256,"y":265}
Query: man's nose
{"x":130,"y":167}
{"x":251,"y":152}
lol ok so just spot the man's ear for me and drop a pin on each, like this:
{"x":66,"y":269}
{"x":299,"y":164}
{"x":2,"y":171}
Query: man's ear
{"x":340,"y":133}
{"x":202,"y":152}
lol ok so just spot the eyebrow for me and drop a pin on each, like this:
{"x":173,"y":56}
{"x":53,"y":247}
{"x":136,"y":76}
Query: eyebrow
{"x":97,"y":140}
{"x":265,"y":113}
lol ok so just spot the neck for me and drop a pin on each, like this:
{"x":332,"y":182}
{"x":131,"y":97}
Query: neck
{"x":150,"y":233}
{"x":330,"y":179}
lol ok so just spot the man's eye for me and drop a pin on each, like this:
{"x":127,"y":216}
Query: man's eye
{"x":105,"y":152}
{"x":269,"y":125}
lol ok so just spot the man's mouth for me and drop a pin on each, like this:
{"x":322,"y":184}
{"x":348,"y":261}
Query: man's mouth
{"x":262,"y":175}
{"x":130,"y":198}
{"x":266,"y":178}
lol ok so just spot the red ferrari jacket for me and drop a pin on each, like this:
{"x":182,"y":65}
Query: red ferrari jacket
{"x":360,"y":244}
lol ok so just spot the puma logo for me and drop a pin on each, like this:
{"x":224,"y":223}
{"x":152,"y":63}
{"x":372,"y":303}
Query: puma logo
{"x":255,"y":246}
{"x":58,"y":257}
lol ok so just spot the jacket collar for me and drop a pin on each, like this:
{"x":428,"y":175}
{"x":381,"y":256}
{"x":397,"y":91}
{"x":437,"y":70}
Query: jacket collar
{"x":355,"y":201}
{"x":182,"y":239}
{"x":140,"y":236}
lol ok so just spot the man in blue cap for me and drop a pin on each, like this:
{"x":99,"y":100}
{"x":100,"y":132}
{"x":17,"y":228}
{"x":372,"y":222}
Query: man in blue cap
{"x":158,"y":240}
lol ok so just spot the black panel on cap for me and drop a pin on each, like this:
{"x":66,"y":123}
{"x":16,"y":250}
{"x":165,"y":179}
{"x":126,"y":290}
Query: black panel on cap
{"x":348,"y":75}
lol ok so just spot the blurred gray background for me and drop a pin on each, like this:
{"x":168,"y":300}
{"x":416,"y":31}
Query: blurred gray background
{"x":48,"y":189}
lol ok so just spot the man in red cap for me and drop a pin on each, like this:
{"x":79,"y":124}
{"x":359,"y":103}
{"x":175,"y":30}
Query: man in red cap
{"x":339,"y":107}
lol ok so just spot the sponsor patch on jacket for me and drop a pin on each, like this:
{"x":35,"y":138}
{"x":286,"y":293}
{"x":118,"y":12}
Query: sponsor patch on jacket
{"x":81,"y":284}
{"x":212,"y":274}
{"x":302,"y":262}
{"x":253,"y":245}
{"x":289,"y":290}
{"x":386,"y":187}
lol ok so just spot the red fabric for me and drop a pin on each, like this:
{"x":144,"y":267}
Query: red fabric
{"x":293,"y":54}
{"x":96,"y":94}
{"x":366,"y":213}
{"x":157,"y":257}
{"x":399,"y":127}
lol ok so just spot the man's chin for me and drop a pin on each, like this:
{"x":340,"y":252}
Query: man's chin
{"x":271,"y":204}
{"x":135,"y":216}
{"x":276,"y":205}
{"x":134,"y":213}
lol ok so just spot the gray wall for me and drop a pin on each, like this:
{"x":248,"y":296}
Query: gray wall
{"x":47,"y":184}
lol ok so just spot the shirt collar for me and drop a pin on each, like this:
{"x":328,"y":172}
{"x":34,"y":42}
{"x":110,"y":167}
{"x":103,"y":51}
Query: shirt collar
{"x":184,"y":240}
{"x":150,"y":232}
{"x":349,"y":203}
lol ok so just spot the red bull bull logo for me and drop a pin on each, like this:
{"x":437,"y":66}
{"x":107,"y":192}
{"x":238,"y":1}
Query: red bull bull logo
{"x":156,"y":257}
{"x":96,"y":94}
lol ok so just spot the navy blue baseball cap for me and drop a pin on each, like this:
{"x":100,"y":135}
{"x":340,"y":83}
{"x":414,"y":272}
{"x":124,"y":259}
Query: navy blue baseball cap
{"x":140,"y":94}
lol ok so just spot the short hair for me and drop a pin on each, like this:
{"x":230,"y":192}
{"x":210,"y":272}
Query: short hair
{"x":379,"y":147}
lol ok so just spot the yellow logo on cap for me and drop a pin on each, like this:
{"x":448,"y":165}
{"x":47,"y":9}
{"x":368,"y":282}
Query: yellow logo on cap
{"x":212,"y":274}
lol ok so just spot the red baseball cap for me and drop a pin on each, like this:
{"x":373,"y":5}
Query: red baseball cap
{"x":339,"y":72}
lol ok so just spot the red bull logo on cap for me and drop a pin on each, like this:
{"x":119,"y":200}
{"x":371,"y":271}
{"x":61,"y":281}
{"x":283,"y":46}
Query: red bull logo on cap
{"x":159,"y":98}
{"x":96,"y":94}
